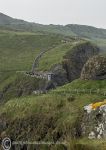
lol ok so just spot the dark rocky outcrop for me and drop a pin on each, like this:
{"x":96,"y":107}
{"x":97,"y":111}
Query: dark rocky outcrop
{"x":59,"y":75}
{"x":95,"y":68}
{"x":75,"y":59}
{"x":72,"y":65}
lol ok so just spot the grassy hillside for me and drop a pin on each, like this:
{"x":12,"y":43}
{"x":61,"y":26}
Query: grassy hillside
{"x":87,"y":31}
{"x":66,"y":92}
{"x":50,"y":117}
{"x":4,"y":19}
{"x":55,"y":55}
{"x":18,"y":49}
{"x":84,"y":84}
{"x":83,"y":31}
{"x":55,"y":115}
{"x":68,"y":30}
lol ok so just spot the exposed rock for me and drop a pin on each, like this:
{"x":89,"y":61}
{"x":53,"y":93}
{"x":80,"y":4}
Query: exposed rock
{"x":59,"y":75}
{"x":92,"y":135}
{"x":50,"y":85}
{"x":95,"y":68}
{"x":72,"y":65}
{"x":94,"y":123}
{"x":58,"y":78}
{"x":75,"y":59}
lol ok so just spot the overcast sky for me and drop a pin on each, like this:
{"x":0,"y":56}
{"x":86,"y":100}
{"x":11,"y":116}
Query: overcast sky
{"x":87,"y":12}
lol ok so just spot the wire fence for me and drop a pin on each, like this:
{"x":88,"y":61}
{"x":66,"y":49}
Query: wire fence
{"x":81,"y":91}
{"x":58,"y":91}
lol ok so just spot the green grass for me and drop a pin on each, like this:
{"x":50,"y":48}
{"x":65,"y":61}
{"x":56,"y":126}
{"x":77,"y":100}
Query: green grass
{"x":25,"y":106}
{"x":50,"y":116}
{"x":59,"y":107}
{"x":18,"y":84}
{"x":92,"y":144}
{"x":83,"y":84}
{"x":6,"y":78}
{"x":62,"y":108}
{"x":54,"y":56}
{"x":18,"y":49}
{"x":54,"y":98}
{"x":86,"y":144}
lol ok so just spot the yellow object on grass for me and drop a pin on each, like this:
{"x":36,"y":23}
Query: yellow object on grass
{"x":98,"y":104}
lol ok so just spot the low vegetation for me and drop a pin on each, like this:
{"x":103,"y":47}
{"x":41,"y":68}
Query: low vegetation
{"x":18,"y":50}
{"x":50,"y":117}
{"x":56,"y":115}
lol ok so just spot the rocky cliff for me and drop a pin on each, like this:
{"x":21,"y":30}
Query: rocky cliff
{"x":95,"y":68}
{"x":75,"y":59}
{"x":94,"y":123}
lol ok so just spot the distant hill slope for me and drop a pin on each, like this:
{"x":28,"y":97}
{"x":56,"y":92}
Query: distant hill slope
{"x":87,"y":31}
{"x":6,"y":20}
{"x":68,"y":30}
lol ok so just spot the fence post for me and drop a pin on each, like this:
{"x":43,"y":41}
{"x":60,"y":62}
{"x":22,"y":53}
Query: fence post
{"x":98,"y":90}
{"x":90,"y":91}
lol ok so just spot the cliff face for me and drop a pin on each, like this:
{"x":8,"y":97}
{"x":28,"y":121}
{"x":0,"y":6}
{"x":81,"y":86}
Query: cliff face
{"x":94,"y":123}
{"x":59,"y":75}
{"x":95,"y":68}
{"x":75,"y":59}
